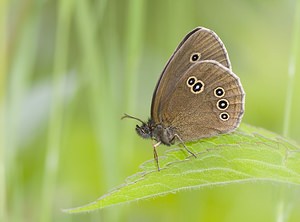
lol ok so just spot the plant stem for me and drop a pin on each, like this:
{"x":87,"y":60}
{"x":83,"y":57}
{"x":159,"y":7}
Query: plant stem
{"x":283,"y":206}
{"x":133,"y":43}
{"x":292,"y":70}
{"x":56,"y":113}
{"x":3,"y":71}
{"x":103,"y":110}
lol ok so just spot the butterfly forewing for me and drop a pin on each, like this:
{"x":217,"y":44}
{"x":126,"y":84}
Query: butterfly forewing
{"x":199,"y":45}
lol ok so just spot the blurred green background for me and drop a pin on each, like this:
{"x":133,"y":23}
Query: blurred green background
{"x":70,"y":69}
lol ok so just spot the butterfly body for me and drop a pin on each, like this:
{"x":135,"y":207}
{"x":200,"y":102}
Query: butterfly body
{"x":158,"y":132}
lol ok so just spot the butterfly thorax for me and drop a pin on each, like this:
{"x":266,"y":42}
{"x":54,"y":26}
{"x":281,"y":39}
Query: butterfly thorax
{"x":158,"y":132}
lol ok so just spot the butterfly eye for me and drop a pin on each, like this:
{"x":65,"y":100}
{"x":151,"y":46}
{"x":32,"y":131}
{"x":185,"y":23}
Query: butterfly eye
{"x":222,"y":104}
{"x":191,"y":81}
{"x":219,"y":92}
{"x":224,"y":116}
{"x":198,"y":87}
{"x":195,"y":57}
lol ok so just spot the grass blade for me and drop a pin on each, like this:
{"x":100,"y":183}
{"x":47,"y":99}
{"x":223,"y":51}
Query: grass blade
{"x":292,"y":70}
{"x":3,"y":71}
{"x":284,"y":206}
{"x":56,"y":113}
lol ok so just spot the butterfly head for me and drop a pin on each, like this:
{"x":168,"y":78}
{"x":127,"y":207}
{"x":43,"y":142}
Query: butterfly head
{"x":145,"y":130}
{"x":151,"y":130}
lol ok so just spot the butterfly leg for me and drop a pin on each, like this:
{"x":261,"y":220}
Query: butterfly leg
{"x":155,"y":154}
{"x":181,"y":141}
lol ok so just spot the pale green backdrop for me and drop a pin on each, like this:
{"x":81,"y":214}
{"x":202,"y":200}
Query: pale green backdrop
{"x":70,"y":69}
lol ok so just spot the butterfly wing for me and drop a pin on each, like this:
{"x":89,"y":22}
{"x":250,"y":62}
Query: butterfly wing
{"x":207,"y":100}
{"x":200,"y":44}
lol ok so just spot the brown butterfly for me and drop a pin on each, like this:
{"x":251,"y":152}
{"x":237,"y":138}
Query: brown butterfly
{"x":197,"y":94}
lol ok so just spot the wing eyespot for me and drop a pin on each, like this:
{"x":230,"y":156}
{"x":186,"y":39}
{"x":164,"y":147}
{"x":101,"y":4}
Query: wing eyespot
{"x":191,"y":81}
{"x":198,"y":87}
{"x":222,"y":104}
{"x":195,"y":57}
{"x":219,"y":92}
{"x":224,"y":116}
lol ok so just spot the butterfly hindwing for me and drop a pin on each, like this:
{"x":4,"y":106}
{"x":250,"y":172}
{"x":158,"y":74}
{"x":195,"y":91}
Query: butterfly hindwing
{"x":207,"y":100}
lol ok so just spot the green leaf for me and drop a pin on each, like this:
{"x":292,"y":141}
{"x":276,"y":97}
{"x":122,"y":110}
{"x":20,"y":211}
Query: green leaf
{"x":249,"y":154}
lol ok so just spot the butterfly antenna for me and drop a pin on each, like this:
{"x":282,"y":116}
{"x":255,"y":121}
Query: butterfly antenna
{"x":132,"y":117}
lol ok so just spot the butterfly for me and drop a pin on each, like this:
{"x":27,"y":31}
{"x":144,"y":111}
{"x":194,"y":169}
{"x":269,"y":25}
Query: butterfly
{"x":197,"y":95}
